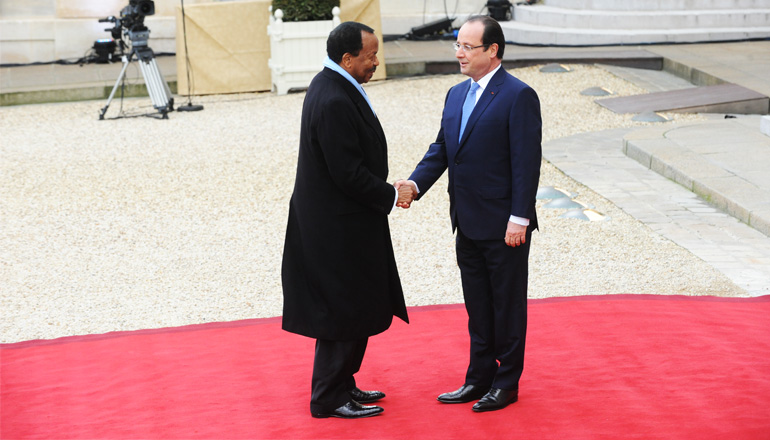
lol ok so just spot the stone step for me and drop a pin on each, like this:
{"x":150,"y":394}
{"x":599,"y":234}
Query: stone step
{"x":722,"y":98}
{"x":530,"y":34}
{"x":642,"y":19}
{"x":658,"y":5}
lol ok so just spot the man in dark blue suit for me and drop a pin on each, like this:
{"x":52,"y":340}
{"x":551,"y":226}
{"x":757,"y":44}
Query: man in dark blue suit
{"x":490,"y":142}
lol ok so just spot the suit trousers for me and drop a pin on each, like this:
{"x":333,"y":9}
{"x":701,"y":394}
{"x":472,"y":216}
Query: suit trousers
{"x":494,"y":279}
{"x":333,"y":368}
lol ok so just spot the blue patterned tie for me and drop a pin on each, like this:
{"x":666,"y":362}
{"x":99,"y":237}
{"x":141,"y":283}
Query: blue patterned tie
{"x":470,"y":102}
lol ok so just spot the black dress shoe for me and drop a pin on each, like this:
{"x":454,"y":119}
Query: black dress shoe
{"x":466,"y":393}
{"x":361,"y":396}
{"x":351,"y":410}
{"x":496,"y":399}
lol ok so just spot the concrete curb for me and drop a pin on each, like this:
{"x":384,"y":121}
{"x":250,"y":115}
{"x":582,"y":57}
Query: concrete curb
{"x":721,"y":188}
{"x":82,"y":93}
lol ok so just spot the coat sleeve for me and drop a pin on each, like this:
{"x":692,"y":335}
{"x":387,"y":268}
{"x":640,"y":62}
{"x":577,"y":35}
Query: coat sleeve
{"x":525,"y":143}
{"x":343,"y":148}
{"x":433,"y":163}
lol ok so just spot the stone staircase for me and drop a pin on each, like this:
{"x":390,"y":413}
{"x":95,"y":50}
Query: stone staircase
{"x":632,"y":22}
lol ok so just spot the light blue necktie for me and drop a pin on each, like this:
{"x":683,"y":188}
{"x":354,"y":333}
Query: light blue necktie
{"x":470,"y":102}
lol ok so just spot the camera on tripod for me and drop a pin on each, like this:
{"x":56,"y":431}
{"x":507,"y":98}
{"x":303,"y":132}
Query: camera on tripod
{"x":130,"y":24}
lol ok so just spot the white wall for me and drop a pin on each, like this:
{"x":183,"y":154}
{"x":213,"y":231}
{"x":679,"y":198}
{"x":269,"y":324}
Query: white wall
{"x":27,"y":9}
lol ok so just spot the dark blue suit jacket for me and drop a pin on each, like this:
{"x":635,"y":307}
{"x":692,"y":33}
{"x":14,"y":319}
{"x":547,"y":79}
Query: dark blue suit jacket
{"x":494,"y":169}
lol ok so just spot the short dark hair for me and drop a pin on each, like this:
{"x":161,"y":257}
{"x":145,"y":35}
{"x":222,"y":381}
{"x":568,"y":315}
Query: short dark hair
{"x":346,"y":38}
{"x":493,"y":33}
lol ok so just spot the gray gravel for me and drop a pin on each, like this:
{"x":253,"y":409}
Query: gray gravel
{"x":140,"y":223}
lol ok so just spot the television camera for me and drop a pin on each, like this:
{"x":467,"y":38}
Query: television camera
{"x":131,"y":22}
{"x":130,"y":25}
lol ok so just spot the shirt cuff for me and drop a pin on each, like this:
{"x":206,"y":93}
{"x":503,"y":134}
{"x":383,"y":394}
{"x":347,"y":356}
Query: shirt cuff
{"x":519,"y":220}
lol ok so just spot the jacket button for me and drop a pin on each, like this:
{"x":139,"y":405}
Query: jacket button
{"x":457,"y":162}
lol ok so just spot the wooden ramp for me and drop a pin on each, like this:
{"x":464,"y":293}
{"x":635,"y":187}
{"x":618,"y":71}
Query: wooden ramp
{"x":722,"y":98}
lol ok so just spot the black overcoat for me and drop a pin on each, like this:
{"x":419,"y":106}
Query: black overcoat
{"x":340,"y":280}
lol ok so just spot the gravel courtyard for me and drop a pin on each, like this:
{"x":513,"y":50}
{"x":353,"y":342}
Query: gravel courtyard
{"x":141,"y":223}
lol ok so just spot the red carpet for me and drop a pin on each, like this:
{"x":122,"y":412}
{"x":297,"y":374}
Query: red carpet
{"x":597,"y":368}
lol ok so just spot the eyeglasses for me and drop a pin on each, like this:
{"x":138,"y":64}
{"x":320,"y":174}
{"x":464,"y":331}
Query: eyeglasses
{"x":467,"y":48}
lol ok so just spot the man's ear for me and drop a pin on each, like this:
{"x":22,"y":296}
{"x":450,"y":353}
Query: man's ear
{"x":346,"y":60}
{"x":493,"y":50}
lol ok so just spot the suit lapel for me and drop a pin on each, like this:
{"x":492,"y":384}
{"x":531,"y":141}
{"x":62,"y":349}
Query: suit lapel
{"x":369,"y":116}
{"x":454,"y":106}
{"x":490,"y":92}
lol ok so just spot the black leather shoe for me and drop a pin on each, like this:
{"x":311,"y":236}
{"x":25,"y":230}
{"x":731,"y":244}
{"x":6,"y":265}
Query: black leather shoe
{"x":466,"y":393}
{"x":361,"y":396}
{"x":496,"y":399}
{"x":351,"y":410}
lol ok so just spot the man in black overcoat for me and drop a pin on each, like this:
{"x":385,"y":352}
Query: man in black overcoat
{"x":340,"y":281}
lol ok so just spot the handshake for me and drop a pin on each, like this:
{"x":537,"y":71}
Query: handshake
{"x":407,"y":192}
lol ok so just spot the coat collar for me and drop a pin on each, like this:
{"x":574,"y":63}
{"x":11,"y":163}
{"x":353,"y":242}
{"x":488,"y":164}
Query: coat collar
{"x":363,"y":107}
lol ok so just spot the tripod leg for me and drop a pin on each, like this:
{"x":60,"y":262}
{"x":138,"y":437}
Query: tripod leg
{"x":156,"y":86}
{"x":115,"y":87}
{"x":167,"y":90}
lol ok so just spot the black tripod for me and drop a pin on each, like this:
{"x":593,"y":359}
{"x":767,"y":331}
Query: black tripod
{"x":158,"y":89}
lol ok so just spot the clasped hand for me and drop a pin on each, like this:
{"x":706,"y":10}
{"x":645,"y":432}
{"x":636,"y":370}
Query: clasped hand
{"x":407,"y":192}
